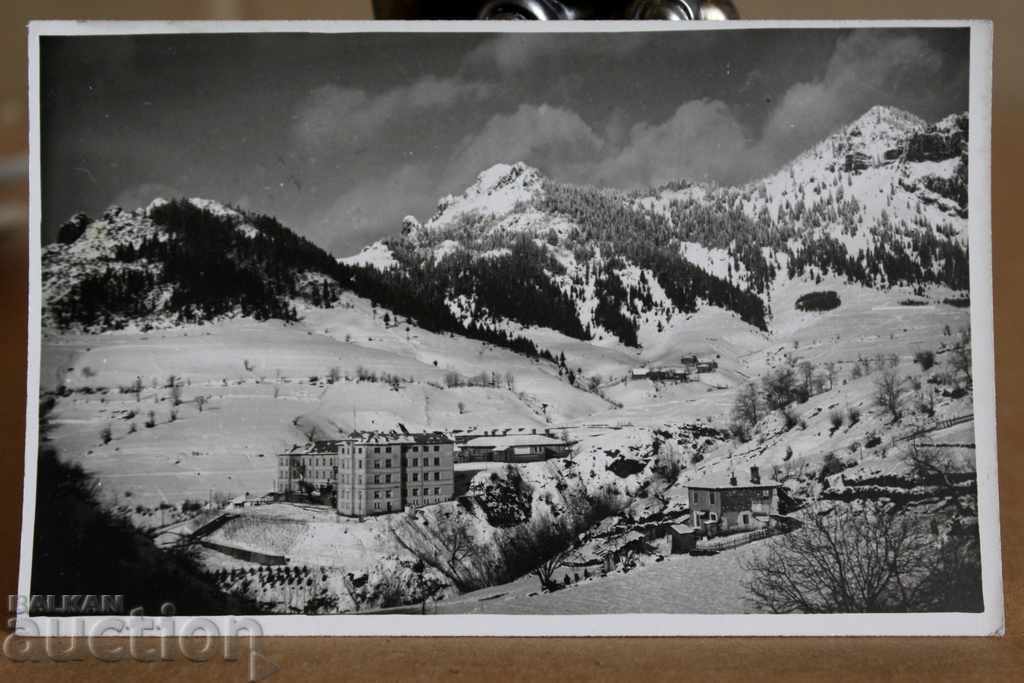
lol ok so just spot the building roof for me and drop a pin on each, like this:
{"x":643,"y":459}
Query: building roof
{"x":721,"y":480}
{"x":396,"y":437}
{"x":510,"y":440}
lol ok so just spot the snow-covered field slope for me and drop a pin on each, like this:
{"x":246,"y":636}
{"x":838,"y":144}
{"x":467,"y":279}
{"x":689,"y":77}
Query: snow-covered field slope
{"x":266,"y":384}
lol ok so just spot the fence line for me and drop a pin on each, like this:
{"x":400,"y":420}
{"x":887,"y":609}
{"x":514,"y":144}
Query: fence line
{"x":941,"y":424}
{"x":737,"y":540}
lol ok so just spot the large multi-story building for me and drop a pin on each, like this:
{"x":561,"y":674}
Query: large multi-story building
{"x":308,"y":468}
{"x":382,"y":472}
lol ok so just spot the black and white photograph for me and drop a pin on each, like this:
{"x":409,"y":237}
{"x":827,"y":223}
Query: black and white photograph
{"x":421,"y":329}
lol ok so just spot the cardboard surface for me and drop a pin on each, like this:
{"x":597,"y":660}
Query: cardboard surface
{"x":567,"y":659}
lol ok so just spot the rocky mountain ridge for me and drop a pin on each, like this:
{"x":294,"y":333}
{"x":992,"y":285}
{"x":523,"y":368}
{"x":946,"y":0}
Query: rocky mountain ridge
{"x":881,"y":203}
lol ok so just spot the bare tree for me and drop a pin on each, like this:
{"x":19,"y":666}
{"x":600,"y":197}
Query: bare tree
{"x":444,"y":550}
{"x":348,"y":581}
{"x":830,"y":370}
{"x":806,"y":369}
{"x":778,"y":387}
{"x":887,"y":393}
{"x":927,"y":465}
{"x":549,"y":545}
{"x":334,"y":374}
{"x":847,"y":560}
{"x":746,"y":410}
{"x":960,"y":356}
{"x":457,"y":544}
{"x":200,"y":402}
{"x":174,"y":384}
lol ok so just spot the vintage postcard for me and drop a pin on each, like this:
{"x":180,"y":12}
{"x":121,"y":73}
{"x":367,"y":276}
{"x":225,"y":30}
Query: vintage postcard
{"x":512,"y":329}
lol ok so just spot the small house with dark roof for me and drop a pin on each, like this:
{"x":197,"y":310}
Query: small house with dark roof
{"x":721,"y":504}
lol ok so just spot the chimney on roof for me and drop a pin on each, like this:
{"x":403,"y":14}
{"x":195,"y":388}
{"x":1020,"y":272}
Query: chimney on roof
{"x":732,"y":479}
{"x":755,"y":475}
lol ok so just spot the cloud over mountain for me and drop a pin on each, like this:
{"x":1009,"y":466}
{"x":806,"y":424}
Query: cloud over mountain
{"x":338,"y":116}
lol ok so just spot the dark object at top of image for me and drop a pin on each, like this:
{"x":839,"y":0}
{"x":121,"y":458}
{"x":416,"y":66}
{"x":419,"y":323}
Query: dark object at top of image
{"x":550,"y":10}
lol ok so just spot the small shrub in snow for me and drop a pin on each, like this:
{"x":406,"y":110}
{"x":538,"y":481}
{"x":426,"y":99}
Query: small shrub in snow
{"x":830,"y":465}
{"x":740,"y":432}
{"x":835,"y":418}
{"x":853,"y":415}
{"x":926,"y":359}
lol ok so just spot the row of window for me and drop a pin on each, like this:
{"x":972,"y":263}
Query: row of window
{"x":387,"y":449}
{"x":310,"y":475}
{"x":385,"y":463}
{"x":764,"y":494}
{"x":426,"y":476}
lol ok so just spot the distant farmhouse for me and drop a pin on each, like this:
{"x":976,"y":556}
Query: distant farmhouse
{"x":661,"y":374}
{"x":512,"y":448}
{"x":724,"y":504}
{"x":694,"y":365}
{"x":689,"y":368}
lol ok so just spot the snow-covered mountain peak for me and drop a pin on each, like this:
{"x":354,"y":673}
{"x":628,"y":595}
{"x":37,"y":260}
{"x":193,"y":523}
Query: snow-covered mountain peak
{"x":496,"y":192}
{"x":502,"y":176}
{"x":877,"y":134}
{"x":214,"y":207}
{"x":376,"y":255}
{"x":884,"y":120}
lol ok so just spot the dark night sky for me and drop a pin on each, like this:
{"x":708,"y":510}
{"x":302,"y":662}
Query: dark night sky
{"x":340,"y":136}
